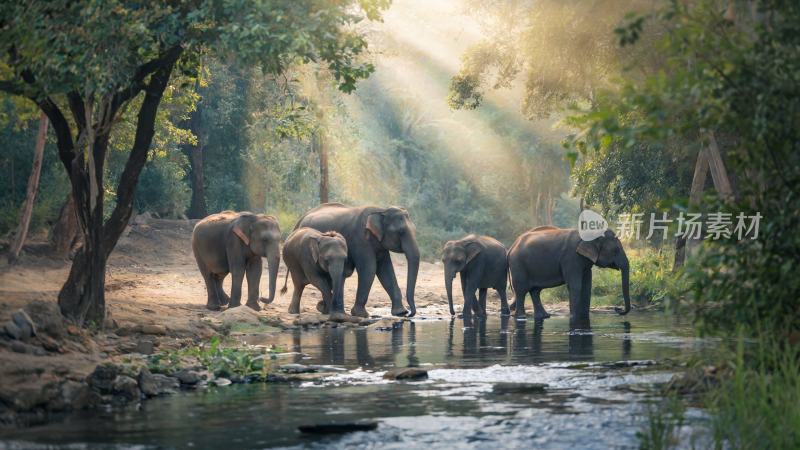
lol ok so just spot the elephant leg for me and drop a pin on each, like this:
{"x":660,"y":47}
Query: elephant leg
{"x":467,"y":305}
{"x":222,"y":297}
{"x":299,"y":283}
{"x":538,"y":309}
{"x":470,"y":300}
{"x":253,"y":271}
{"x":366,"y":276}
{"x":323,"y":283}
{"x":213,"y":302}
{"x":504,"y":310}
{"x":388,"y":279}
{"x":237,"y":276}
{"x":575,"y":286}
{"x":294,"y":307}
{"x":481,"y":312}
{"x":586,"y":291}
{"x":519,"y":304}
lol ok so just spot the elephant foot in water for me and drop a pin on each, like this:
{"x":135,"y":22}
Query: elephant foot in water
{"x":253,"y":305}
{"x":541,"y":315}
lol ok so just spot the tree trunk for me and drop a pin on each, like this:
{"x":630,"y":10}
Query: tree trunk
{"x":30,"y":195}
{"x":318,"y":142}
{"x":197,"y":208}
{"x":82,"y":298}
{"x":66,"y":232}
{"x":695,"y":195}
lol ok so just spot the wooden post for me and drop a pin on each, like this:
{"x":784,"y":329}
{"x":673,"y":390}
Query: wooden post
{"x":708,"y":158}
{"x":695,"y":195}
{"x":718,"y":172}
{"x":30,"y":195}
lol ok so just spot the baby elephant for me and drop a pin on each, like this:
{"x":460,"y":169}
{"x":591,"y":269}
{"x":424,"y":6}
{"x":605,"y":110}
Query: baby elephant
{"x":482,"y":263}
{"x":319,"y":259}
{"x":231,"y":242}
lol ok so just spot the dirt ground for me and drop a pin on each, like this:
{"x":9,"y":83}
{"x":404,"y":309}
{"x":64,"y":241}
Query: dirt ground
{"x":156,"y":298}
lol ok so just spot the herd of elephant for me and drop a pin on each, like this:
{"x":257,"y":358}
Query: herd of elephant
{"x":332,"y":240}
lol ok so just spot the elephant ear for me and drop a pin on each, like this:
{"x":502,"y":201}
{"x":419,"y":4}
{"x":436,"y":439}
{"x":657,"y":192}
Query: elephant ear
{"x":241,"y":227}
{"x":473,"y":248}
{"x":375,"y":225}
{"x":589,"y":249}
{"x":315,"y":250}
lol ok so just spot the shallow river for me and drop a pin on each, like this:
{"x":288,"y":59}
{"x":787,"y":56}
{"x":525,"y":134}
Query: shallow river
{"x":593,"y":399}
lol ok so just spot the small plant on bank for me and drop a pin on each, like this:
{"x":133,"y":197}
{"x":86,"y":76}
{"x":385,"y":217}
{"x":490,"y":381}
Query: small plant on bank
{"x":236,"y":363}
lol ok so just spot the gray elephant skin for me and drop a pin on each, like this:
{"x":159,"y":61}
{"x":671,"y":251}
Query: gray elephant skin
{"x":547,"y":257}
{"x":231,"y":242}
{"x":481,"y":264}
{"x":371,"y":233}
{"x":319,"y":259}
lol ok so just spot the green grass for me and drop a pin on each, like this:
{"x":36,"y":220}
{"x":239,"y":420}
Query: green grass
{"x":759,"y":405}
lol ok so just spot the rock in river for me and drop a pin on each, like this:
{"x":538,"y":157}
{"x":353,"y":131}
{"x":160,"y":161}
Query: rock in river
{"x":519,"y":388}
{"x":406,"y":373}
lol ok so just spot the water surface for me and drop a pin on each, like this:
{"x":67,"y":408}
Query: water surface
{"x":596,"y":396}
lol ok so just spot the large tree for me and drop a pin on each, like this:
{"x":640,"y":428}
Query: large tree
{"x":85,"y":62}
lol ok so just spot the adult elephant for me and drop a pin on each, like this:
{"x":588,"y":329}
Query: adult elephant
{"x":547,"y":257}
{"x":371,"y":233}
{"x":231,"y":242}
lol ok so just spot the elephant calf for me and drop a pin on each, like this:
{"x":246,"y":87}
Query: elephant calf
{"x":231,"y":242}
{"x":320,"y":259}
{"x":547,"y":257}
{"x":481,"y":261}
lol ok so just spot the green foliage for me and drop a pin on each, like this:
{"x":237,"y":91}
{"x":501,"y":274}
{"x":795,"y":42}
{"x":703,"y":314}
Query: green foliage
{"x":664,"y":421}
{"x":759,"y":405}
{"x":226,"y":362}
{"x":19,"y":138}
{"x":162,"y":188}
{"x":563,"y":51}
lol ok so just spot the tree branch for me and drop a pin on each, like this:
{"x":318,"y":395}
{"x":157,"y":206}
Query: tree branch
{"x":137,"y":83}
{"x":64,"y":142}
{"x":145,"y":129}
{"x":78,"y":109}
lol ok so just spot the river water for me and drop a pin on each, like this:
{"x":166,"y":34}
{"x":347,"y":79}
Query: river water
{"x":596,"y":398}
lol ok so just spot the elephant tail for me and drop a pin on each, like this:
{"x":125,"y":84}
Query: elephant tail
{"x":508,"y":271}
{"x":285,"y":280}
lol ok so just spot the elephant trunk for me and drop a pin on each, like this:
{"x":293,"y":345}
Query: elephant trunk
{"x":626,"y":295}
{"x":336,"y":272}
{"x":274,"y":262}
{"x":409,"y":245}
{"x":449,"y":276}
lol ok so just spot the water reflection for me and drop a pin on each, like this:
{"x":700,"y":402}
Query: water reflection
{"x":460,"y":343}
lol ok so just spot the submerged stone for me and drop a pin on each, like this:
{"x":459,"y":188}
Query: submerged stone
{"x":406,"y":373}
{"x":519,"y":388}
{"x":337,"y":428}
